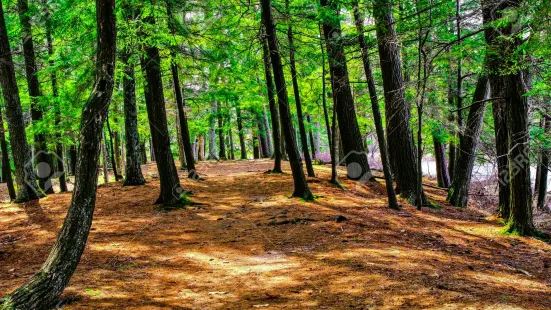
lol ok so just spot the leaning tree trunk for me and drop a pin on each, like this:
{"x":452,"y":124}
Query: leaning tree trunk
{"x":400,"y":139}
{"x":24,"y":174}
{"x":543,"y":168}
{"x":358,"y":19}
{"x":133,"y":171}
{"x":298,"y":103}
{"x":171,"y":191}
{"x":242,"y":146}
{"x":6,"y":168}
{"x":41,"y":155}
{"x":59,"y":147}
{"x":42,"y":290}
{"x":458,"y":194}
{"x":301,"y":188}
{"x":274,"y":113}
{"x":351,"y":137}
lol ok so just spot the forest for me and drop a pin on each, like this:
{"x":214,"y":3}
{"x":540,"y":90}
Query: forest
{"x":275,"y":154}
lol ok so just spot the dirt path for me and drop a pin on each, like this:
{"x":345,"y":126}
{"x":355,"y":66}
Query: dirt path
{"x":247,"y":245}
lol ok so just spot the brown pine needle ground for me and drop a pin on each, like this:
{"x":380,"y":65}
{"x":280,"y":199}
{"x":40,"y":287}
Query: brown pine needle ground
{"x":247,"y":245}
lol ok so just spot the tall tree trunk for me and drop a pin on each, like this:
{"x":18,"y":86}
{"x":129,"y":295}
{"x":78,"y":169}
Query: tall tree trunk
{"x":262,"y":134}
{"x":242,"y":146}
{"x":350,"y":135}
{"x":113,"y":152}
{"x":392,"y":201}
{"x":490,"y":12}
{"x":6,"y":167}
{"x":24,"y":174}
{"x":42,"y":290}
{"x":442,"y":175}
{"x":451,"y":152}
{"x":256,"y":147}
{"x":301,"y":188}
{"x":400,"y":139}
{"x":543,"y":168}
{"x":274,"y":113}
{"x":133,"y":171}
{"x":212,"y":132}
{"x":324,"y":94}
{"x":73,"y":158}
{"x":104,"y":158}
{"x":269,"y":137}
{"x":171,"y":191}
{"x":151,"y":148}
{"x":298,"y":103}
{"x":230,"y":134}
{"x":311,"y":136}
{"x":221,"y":139}
{"x":53,"y":76}
{"x":458,"y":194}
{"x":42,"y":157}
{"x":181,"y":154}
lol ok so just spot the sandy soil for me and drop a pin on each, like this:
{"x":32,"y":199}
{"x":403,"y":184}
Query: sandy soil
{"x":246,"y":244}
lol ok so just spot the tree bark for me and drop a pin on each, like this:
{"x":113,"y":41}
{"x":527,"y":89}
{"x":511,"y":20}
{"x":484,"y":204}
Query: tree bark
{"x":352,"y":141}
{"x":442,"y":175}
{"x":113,"y":151}
{"x":311,"y":136}
{"x":171,"y":191}
{"x":24,"y":174}
{"x":73,"y":158}
{"x":301,"y":188}
{"x":41,"y":155}
{"x":42,"y":290}
{"x":242,"y":146}
{"x":221,"y":135}
{"x":392,"y":201}
{"x":324,"y":94}
{"x":133,"y":171}
{"x":399,"y":136}
{"x":458,"y":195}
{"x":212,"y":132}
{"x":298,"y":103}
{"x":6,"y":167}
{"x":543,"y":168}
{"x":274,"y":113}
{"x":104,"y":158}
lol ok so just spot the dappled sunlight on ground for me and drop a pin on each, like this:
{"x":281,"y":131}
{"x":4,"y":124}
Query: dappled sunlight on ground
{"x":246,"y":244}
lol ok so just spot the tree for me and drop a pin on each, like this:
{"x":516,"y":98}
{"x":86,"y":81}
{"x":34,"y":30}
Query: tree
{"x":392,"y":202}
{"x":42,"y":290}
{"x":458,"y":194}
{"x":170,"y":195}
{"x":24,"y":174}
{"x":400,"y":139}
{"x":301,"y":187}
{"x":352,"y":140}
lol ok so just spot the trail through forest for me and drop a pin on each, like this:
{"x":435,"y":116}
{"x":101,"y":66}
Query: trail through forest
{"x":246,"y":244}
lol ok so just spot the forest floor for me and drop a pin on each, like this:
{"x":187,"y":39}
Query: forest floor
{"x":246,"y":244}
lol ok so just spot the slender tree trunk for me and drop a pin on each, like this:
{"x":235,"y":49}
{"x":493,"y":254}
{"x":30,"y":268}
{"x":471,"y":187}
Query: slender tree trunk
{"x":298,"y":103}
{"x":241,"y":134}
{"x":42,"y":157}
{"x":6,"y":168}
{"x":539,"y":160}
{"x":104,"y":158}
{"x":256,"y":147}
{"x":311,"y":136}
{"x":350,"y":135}
{"x":269,"y":138}
{"x":24,"y":174}
{"x":392,"y":201}
{"x":458,"y":194}
{"x":133,"y":171}
{"x":171,"y":191}
{"x":544,"y":168}
{"x":400,"y":139}
{"x":324,"y":95}
{"x":212,"y":132}
{"x":230,"y":134}
{"x":451,"y":152}
{"x":151,"y":148}
{"x":442,"y":175}
{"x":273,"y":107}
{"x":53,"y":76}
{"x":181,"y":154}
{"x":301,"y":188}
{"x":113,"y":152}
{"x":262,"y":134}
{"x":73,"y":158}
{"x":221,"y":139}
{"x":42,"y":290}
